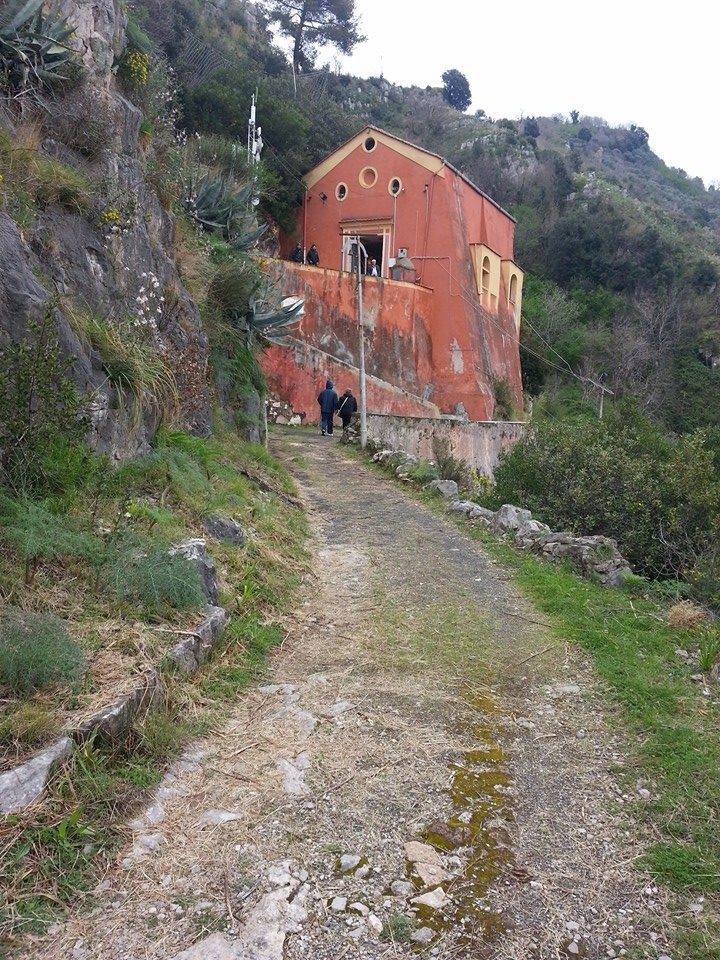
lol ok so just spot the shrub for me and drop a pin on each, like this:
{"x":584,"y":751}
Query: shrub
{"x":622,"y":477}
{"x":154,"y":580}
{"x":34,"y":54}
{"x":37,"y":534}
{"x":447,"y":466}
{"x":36,"y":651}
{"x":133,"y":365}
{"x":39,"y":179}
{"x":504,"y":406}
{"x":42,"y":425}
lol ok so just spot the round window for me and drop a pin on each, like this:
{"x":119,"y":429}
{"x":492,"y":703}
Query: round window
{"x":368,"y":177}
{"x":341,"y":191}
{"x":370,"y":144}
{"x":395,"y":186}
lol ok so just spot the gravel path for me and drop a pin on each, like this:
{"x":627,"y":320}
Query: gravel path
{"x":425,"y":772}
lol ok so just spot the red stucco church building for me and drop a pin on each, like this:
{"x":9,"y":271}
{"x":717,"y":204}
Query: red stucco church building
{"x":442,"y":317}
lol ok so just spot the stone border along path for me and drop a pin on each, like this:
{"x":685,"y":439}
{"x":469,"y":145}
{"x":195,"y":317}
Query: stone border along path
{"x":421,"y":773}
{"x":25,"y":784}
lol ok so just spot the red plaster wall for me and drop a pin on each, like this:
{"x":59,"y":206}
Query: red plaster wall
{"x":437,"y":335}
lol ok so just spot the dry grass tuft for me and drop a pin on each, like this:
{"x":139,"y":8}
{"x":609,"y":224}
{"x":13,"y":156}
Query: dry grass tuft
{"x":686,"y":615}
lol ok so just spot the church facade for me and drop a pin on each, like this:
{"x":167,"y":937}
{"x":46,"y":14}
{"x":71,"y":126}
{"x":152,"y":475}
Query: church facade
{"x":442,"y":292}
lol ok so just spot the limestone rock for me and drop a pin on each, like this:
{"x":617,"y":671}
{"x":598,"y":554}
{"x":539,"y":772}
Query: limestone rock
{"x":510,"y":517}
{"x":196,"y":552}
{"x":348,"y":862}
{"x":24,"y":784}
{"x":215,"y":947}
{"x":215,"y":818}
{"x":417,"y":852}
{"x":338,"y":904}
{"x":424,"y":935}
{"x":225,"y":529}
{"x":113,"y":722}
{"x":402,"y":888}
{"x":192,"y":651}
{"x":447,"y":489}
{"x":434,"y":899}
{"x":430,"y":874}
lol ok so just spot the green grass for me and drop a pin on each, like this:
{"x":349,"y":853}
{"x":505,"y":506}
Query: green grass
{"x":675,"y":728}
{"x":76,"y":833}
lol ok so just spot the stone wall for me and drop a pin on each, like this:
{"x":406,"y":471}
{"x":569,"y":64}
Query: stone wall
{"x":478,"y":444}
{"x":84,"y":265}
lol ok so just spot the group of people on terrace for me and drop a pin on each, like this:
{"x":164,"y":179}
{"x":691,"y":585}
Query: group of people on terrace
{"x":313,"y":258}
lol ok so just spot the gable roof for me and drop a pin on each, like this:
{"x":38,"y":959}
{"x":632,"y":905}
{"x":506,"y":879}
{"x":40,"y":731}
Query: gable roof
{"x":426,"y":158}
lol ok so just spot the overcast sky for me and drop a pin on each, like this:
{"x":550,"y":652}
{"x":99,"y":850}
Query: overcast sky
{"x":628,"y":61}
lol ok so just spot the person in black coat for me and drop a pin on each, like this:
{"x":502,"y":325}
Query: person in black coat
{"x":313,"y":257}
{"x":347,"y":408}
{"x":328,"y":401}
{"x":297,"y":255}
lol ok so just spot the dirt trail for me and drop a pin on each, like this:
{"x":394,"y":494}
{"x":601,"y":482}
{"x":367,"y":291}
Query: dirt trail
{"x":416,"y":698}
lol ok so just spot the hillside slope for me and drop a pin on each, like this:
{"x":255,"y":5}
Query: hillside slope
{"x":623,"y":251}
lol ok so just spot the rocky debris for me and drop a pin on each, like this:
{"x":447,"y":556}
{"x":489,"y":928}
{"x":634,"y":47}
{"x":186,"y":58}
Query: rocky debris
{"x":596,"y":557}
{"x":195,"y":552}
{"x":144,"y":844}
{"x":509,"y":517}
{"x":338,"y":709}
{"x":294,"y":774}
{"x":113,"y":722}
{"x":434,"y":899}
{"x":23,"y":785}
{"x":374,"y":923}
{"x":192,"y":651}
{"x":348,"y":862}
{"x":447,"y":489}
{"x":426,"y":863}
{"x":216,"y":818}
{"x":423,"y":936}
{"x":360,"y":908}
{"x":215,"y":947}
{"x":225,"y":529}
{"x":338,"y":904}
{"x":402,"y":888}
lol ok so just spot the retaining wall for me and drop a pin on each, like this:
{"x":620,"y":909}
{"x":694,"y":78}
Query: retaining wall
{"x":476,"y":443}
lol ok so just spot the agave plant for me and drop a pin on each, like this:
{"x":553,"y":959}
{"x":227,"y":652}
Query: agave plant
{"x":218,"y":207}
{"x":265,"y":325}
{"x":34,"y":52}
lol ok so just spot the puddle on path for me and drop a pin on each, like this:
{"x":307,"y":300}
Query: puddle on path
{"x":477,"y":828}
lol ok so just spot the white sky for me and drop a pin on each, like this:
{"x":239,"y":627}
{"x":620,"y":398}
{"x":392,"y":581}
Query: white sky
{"x":650,"y":63}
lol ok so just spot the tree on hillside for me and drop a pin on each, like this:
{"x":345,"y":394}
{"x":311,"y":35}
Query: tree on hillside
{"x":531,"y":128}
{"x":574,"y":116}
{"x":456,"y":89}
{"x":312,"y":23}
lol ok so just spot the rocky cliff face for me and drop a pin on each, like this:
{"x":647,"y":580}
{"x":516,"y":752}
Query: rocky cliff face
{"x":119,"y":268}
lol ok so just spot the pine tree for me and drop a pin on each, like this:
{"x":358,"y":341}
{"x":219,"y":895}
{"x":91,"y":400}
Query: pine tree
{"x":312,"y":23}
{"x":456,"y":90}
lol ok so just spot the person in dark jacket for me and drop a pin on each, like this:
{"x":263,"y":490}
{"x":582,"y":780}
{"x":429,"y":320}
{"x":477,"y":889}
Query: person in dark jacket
{"x":313,"y":256}
{"x":328,"y":401}
{"x":347,"y":408}
{"x":297,"y":255}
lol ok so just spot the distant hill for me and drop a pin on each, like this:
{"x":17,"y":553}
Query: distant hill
{"x":622,"y":251}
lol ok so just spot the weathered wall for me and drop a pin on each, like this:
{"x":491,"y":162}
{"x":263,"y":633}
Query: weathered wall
{"x":98,"y":269}
{"x":325,"y":344}
{"x":477,"y":444}
{"x":437,"y":216}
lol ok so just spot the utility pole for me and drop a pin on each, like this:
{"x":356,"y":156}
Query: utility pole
{"x":359,"y":250}
{"x":603,"y":391}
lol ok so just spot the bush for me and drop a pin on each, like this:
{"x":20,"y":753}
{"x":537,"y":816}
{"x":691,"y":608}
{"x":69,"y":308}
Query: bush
{"x":447,"y":466}
{"x":622,"y":477}
{"x":36,"y":651}
{"x":42,"y":427}
{"x":35,"y":534}
{"x":154,"y":580}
